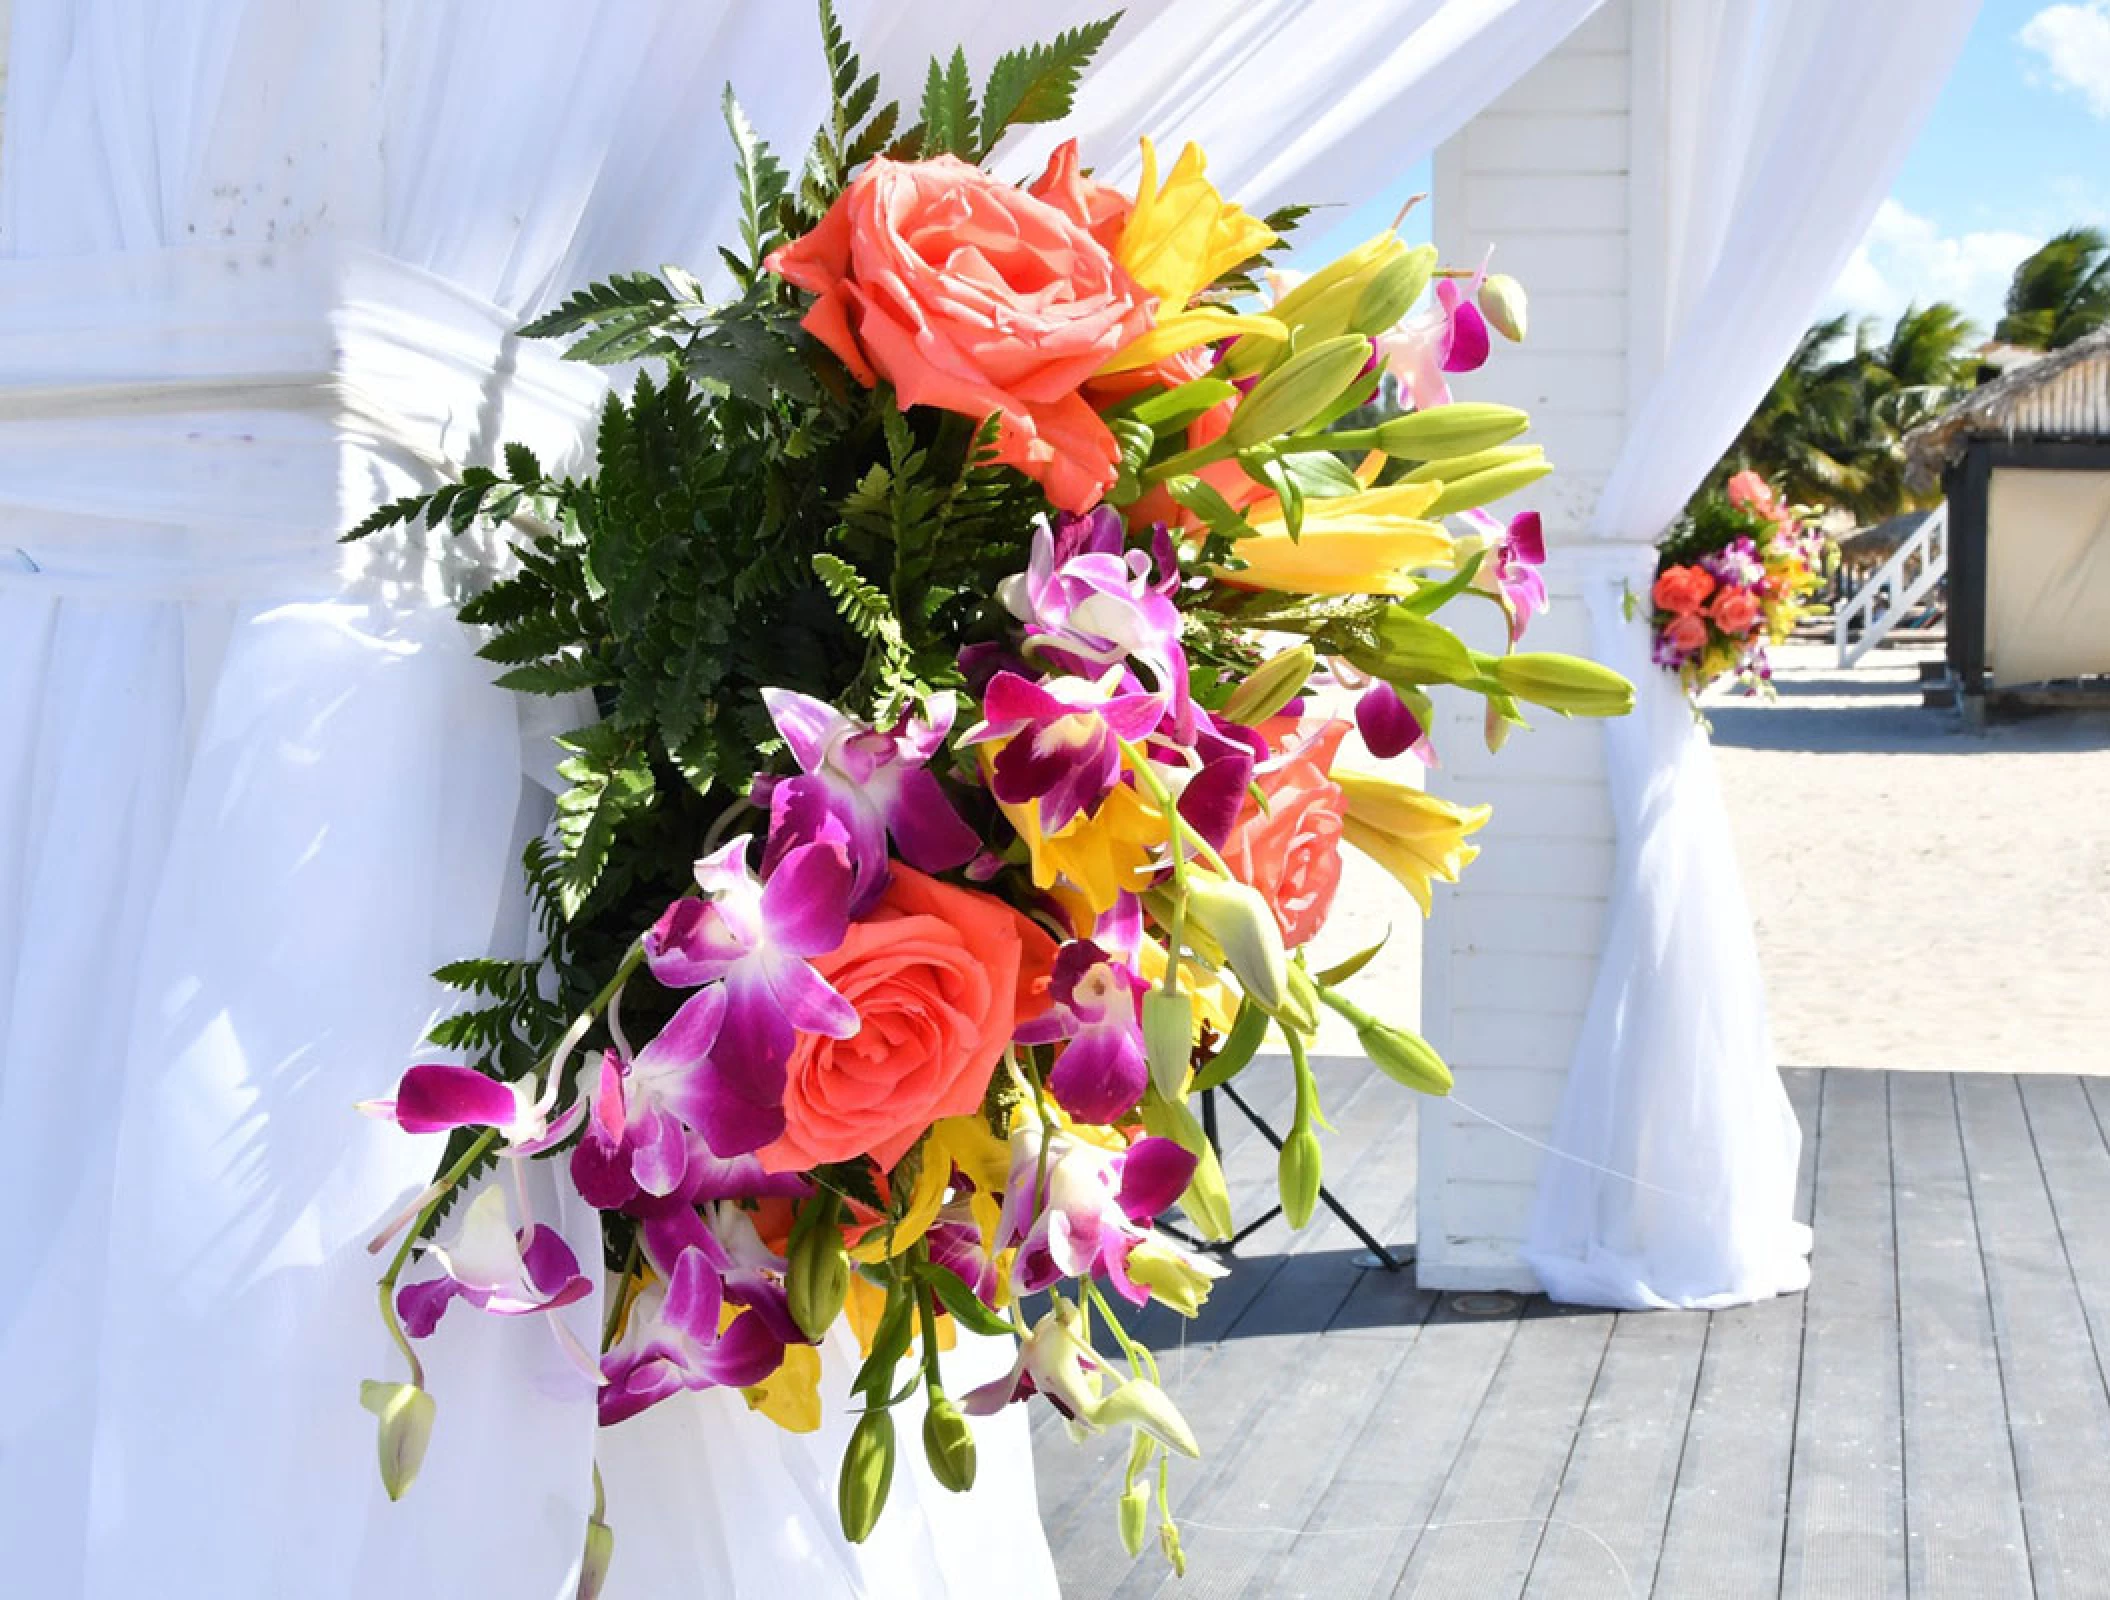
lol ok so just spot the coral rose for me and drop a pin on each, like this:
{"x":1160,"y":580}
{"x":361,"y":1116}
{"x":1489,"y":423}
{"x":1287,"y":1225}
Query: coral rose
{"x":972,"y":296}
{"x":1291,"y":852}
{"x":1688,"y":634}
{"x":1683,"y":590}
{"x":1099,"y":210}
{"x":939,"y":976}
{"x":1735,"y":611}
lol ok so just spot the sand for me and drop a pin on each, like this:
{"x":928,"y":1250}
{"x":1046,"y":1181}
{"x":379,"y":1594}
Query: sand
{"x":1925,"y":897}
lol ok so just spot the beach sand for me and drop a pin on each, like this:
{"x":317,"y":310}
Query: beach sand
{"x":1924,"y":897}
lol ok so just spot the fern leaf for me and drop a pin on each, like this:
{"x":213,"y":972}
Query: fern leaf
{"x":1038,"y":83}
{"x":948,"y":109}
{"x":761,"y":183}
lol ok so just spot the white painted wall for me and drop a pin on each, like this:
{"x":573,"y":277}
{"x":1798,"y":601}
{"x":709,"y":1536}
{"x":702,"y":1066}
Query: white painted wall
{"x":1549,"y":174}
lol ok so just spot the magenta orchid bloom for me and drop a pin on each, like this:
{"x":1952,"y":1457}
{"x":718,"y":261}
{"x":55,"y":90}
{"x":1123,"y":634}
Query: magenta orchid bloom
{"x":1211,"y":776}
{"x":1100,"y":607}
{"x":1451,"y":335}
{"x":496,"y":1268}
{"x":1389,"y":727}
{"x":875,"y":782}
{"x":1096,"y":1209}
{"x":1514,"y":556}
{"x":756,"y":940}
{"x":1096,"y":1005}
{"x":673,"y":1341}
{"x":1064,"y":740}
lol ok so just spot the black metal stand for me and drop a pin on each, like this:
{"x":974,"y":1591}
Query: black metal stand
{"x":1378,"y":1255}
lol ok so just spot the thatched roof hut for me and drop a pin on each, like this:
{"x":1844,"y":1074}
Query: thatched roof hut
{"x":2063,"y":395}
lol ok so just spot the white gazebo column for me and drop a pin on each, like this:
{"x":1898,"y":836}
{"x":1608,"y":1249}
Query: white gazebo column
{"x":1546,"y":175}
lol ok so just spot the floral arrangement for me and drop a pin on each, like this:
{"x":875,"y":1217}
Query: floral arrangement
{"x":1735,"y":577}
{"x":955,"y":598}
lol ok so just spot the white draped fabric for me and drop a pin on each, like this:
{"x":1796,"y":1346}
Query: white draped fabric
{"x":258,"y":264}
{"x":1674,"y":1183}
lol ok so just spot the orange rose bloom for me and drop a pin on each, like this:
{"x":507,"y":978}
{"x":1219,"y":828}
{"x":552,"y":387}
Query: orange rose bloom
{"x":972,"y":296}
{"x":1735,"y":610}
{"x":1688,"y":633}
{"x":1099,"y":210}
{"x":940,"y":977}
{"x":1291,"y":852}
{"x":1683,"y":590}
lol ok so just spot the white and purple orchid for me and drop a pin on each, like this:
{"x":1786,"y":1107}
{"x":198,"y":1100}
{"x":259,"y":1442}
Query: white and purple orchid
{"x":1514,"y":555}
{"x":1063,"y":740}
{"x":876,"y":782}
{"x":1449,"y":335}
{"x":1096,"y":1004}
{"x":1096,"y":1207}
{"x":754,"y":940}
{"x":1101,"y":607}
{"x":495,"y":1267}
{"x":1055,"y":1360}
{"x":1389,"y":726}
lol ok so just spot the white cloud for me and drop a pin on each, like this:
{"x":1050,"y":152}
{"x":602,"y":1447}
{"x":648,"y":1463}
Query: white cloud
{"x":2074,"y":40}
{"x":1905,"y":258}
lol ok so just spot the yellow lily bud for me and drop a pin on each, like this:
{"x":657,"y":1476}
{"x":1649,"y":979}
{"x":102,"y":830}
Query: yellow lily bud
{"x":1297,"y":1175}
{"x":1414,"y":836}
{"x":1181,"y":1281}
{"x":1502,"y":303}
{"x":1458,"y":429}
{"x":948,"y":1445}
{"x":1484,"y":488}
{"x":1271,"y":686}
{"x":1567,"y":684}
{"x":1368,"y":543}
{"x":867,"y":1475}
{"x":406,"y":1414}
{"x":1407,"y":648}
{"x":1238,"y":919}
{"x":1366,"y":291}
{"x":1402,"y":1056}
{"x":1297,"y":391}
{"x":1451,"y":469}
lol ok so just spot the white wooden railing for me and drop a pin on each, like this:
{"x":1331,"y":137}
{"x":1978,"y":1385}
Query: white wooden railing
{"x":1899,"y":585}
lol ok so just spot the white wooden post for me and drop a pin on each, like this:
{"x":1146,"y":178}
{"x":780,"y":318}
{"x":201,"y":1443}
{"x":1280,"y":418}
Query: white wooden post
{"x":1549,"y":174}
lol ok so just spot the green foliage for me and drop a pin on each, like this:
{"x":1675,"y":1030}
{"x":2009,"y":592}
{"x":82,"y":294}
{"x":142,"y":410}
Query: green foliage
{"x":2060,"y":293}
{"x":762,"y":185}
{"x":633,"y":316}
{"x":949,"y":125}
{"x":1039,"y":83}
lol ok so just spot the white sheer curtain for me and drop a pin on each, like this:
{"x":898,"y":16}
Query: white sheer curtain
{"x":1784,"y":122}
{"x":258,"y":264}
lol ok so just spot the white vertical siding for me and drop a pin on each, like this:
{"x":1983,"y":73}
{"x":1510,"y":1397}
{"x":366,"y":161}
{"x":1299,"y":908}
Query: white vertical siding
{"x":1510,"y":955}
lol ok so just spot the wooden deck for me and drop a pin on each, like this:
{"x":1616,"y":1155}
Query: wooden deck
{"x":1932,"y":1418}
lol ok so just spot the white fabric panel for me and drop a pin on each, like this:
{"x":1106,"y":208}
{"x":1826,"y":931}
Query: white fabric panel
{"x":2047,"y":575}
{"x":258,"y":264}
{"x":1783,"y":122}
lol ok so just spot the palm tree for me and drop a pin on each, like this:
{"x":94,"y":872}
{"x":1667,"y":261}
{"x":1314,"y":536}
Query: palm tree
{"x":2060,"y":293}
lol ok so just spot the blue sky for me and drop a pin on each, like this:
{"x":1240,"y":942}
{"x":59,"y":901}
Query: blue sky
{"x":2018,"y":147}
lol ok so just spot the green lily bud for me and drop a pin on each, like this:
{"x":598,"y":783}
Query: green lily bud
{"x":1240,"y":921}
{"x":406,"y":1414}
{"x":1135,"y":1516}
{"x":1449,"y":469}
{"x":1567,"y":684}
{"x":1401,"y":1056}
{"x":1484,"y":488}
{"x":1496,"y":729}
{"x":1407,"y":648}
{"x":1297,"y":391}
{"x":817,"y":1279}
{"x":1143,"y":1405}
{"x":1168,"y":1039}
{"x":867,"y":1475}
{"x":1502,"y":303}
{"x":1271,"y":686}
{"x":1297,"y":1171}
{"x":1181,"y":1281}
{"x":1458,"y":429}
{"x":948,"y":1445}
{"x":593,"y":1566}
{"x":1366,"y":291}
{"x":1300,"y":1008}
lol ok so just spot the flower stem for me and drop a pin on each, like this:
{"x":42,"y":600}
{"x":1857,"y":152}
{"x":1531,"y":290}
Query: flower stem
{"x":387,"y":1287}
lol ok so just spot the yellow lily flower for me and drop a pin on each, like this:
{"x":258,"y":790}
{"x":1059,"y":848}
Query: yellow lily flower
{"x":1102,"y":854}
{"x":963,"y":1142}
{"x":1181,"y":238}
{"x":1368,"y":543}
{"x":790,"y":1396}
{"x":1414,"y":836}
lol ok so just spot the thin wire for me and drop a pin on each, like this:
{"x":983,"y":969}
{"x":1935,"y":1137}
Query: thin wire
{"x":1565,"y":1155}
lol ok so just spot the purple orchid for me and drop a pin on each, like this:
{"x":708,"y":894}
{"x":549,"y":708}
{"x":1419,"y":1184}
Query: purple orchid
{"x":1514,"y":556}
{"x":1101,"y":607}
{"x":1212,"y":774}
{"x":755,"y":939}
{"x":676,"y":1337}
{"x":1737,"y":565}
{"x":875,"y":782}
{"x":1450,"y":335}
{"x":497,"y":1268}
{"x":1096,"y":1004}
{"x":1095,"y":1210}
{"x":1389,"y":726}
{"x":956,"y":1244}
{"x":1063,"y":738}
